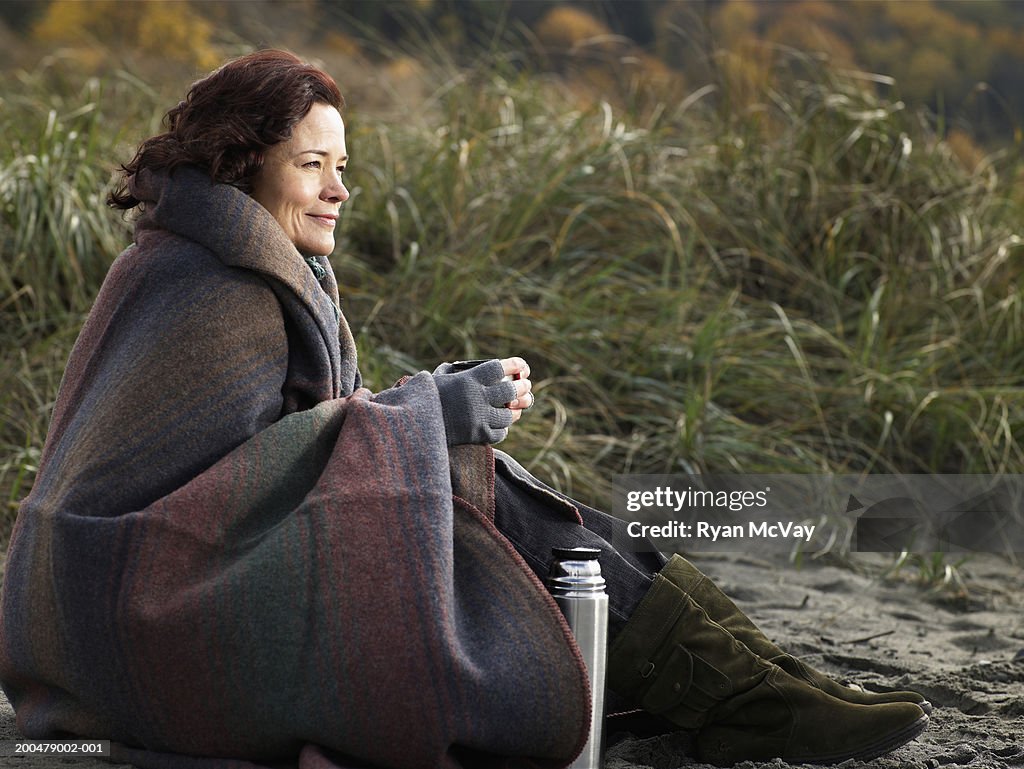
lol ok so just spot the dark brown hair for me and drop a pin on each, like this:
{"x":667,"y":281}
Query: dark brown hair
{"x":230,"y":118}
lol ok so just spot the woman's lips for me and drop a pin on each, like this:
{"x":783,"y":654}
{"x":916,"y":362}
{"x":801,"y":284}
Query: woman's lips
{"x":327,"y":220}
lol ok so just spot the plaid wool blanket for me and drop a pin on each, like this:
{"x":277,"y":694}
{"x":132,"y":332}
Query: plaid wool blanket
{"x":235,"y":556}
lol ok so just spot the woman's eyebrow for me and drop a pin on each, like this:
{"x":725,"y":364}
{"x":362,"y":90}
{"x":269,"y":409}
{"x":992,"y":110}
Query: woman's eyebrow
{"x":322,"y":153}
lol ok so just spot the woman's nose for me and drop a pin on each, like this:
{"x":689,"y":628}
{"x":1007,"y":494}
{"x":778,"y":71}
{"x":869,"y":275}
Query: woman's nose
{"x":335,"y":190}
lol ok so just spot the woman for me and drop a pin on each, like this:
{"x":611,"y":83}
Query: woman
{"x":234,"y":555}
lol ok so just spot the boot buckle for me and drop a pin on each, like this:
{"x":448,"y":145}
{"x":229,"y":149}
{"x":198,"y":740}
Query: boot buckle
{"x":673,"y":681}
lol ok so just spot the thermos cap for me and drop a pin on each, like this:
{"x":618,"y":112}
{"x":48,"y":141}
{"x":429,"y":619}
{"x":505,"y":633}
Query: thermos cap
{"x":575,"y":570}
{"x":576,"y":553}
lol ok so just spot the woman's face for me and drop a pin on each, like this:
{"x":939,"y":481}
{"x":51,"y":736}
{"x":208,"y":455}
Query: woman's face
{"x":300,"y":181}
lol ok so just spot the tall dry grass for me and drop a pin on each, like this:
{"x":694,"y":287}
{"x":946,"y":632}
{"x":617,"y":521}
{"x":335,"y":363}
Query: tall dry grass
{"x":805,"y":282}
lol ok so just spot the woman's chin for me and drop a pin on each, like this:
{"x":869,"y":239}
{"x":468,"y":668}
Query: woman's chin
{"x":315,"y":250}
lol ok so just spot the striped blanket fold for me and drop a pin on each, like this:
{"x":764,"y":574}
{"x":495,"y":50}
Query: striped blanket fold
{"x":234,"y":556}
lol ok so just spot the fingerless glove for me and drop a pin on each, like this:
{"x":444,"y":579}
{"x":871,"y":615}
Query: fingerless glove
{"x":473,"y":401}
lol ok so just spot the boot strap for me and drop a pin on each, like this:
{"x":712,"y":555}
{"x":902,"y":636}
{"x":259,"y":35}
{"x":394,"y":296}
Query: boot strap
{"x":684,"y":679}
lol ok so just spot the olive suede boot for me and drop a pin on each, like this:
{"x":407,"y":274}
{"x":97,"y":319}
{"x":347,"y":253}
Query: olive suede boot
{"x":722,"y":610}
{"x":673,"y":660}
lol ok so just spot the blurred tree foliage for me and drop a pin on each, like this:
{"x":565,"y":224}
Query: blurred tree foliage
{"x":163,"y":29}
{"x":964,"y":59}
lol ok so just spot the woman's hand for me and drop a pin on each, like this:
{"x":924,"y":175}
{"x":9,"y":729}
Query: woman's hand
{"x":480,"y":399}
{"x":519,"y":370}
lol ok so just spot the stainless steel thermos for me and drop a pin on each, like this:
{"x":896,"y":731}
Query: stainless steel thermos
{"x":577,"y":586}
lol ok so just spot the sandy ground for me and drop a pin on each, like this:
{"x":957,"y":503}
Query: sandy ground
{"x":965,"y":653}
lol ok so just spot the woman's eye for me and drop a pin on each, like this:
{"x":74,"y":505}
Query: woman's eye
{"x":312,"y":164}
